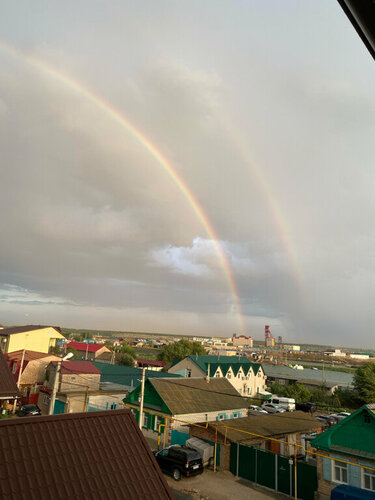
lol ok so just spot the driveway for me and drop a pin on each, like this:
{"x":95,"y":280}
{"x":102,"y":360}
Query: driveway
{"x":221,"y":485}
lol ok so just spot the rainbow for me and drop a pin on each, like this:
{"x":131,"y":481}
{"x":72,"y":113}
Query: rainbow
{"x":262,"y":183}
{"x":120,"y":119}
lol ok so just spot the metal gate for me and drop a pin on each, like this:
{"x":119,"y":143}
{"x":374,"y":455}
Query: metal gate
{"x":273,"y":470}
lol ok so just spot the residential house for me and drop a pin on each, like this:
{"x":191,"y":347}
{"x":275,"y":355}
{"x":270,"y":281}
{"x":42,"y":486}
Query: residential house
{"x":76,"y":380}
{"x":29,"y":371}
{"x":348,"y":444}
{"x":174,"y":403}
{"x":87,"y":351}
{"x":8,"y":387}
{"x":248,"y":378}
{"x":289,"y":428}
{"x":33,"y":338}
{"x":83,"y":455}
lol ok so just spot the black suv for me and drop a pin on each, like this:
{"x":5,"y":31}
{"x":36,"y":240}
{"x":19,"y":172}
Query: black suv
{"x":179,"y":461}
{"x":306,"y":407}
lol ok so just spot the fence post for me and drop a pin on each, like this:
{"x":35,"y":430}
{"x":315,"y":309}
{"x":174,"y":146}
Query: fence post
{"x":238,"y":458}
{"x":276,"y":472}
{"x":290,"y":477}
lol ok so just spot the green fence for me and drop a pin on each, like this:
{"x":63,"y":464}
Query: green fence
{"x":273,"y":470}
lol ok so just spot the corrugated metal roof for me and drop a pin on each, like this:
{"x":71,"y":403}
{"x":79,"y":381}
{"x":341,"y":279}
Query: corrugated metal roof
{"x":96,"y":455}
{"x":68,"y":367}
{"x":195,"y":395}
{"x":331,"y":377}
{"x":8,"y":386}
{"x":28,"y":328}
{"x":29,"y":355}
{"x":127,"y":375}
{"x":355,"y":434}
{"x":225,"y":362}
{"x":86,"y":346}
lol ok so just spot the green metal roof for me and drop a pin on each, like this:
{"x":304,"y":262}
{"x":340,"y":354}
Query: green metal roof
{"x":127,"y":375}
{"x":225,"y":362}
{"x":355,"y":435}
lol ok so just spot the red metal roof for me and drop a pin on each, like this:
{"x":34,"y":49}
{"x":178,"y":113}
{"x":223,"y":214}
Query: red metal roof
{"x":8,"y":387}
{"x":29,"y":355}
{"x":150,"y":362}
{"x":77,"y":367}
{"x":86,"y":346}
{"x":92,"y":455}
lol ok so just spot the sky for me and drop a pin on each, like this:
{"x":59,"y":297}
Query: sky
{"x":187,"y":167}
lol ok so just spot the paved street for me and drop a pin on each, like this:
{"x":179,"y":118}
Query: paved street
{"x":217,"y":486}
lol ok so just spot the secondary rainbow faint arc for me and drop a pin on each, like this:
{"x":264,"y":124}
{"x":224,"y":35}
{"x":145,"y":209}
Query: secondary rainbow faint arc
{"x":149,"y":146}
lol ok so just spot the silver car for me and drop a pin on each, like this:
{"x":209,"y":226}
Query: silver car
{"x":271,"y":408}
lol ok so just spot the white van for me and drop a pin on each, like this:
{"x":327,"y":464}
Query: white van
{"x":289,"y":404}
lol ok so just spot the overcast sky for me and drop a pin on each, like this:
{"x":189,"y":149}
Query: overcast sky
{"x":264,"y":110}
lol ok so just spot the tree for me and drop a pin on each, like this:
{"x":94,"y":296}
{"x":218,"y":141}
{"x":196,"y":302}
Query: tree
{"x":74,"y":351}
{"x":180,"y":349}
{"x":364,"y":383}
{"x":127,"y":349}
{"x":125,"y":360}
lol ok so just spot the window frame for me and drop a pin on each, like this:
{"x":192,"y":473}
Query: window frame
{"x":342,"y":467}
{"x":371,"y":474}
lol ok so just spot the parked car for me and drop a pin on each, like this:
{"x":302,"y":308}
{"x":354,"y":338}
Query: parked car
{"x":28,"y":411}
{"x":327,"y":419}
{"x":272,"y":408}
{"x":257,"y":408}
{"x":306,"y":407}
{"x":179,"y":461}
{"x":340,"y":416}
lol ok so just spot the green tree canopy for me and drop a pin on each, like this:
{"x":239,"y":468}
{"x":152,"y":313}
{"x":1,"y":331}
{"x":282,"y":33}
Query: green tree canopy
{"x":74,"y":351}
{"x":125,"y":360}
{"x":180,"y":349}
{"x":364,"y":383}
{"x":127,"y":349}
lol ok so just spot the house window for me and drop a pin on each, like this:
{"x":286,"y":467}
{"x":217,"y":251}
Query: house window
{"x":221,"y":417}
{"x":188,"y":373}
{"x":145,"y":420}
{"x":340,"y":472}
{"x":217,"y":374}
{"x":229,"y":375}
{"x":46,"y":400}
{"x":368,"y":479}
{"x":14,"y":367}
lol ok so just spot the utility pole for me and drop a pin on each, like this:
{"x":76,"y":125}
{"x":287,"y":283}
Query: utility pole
{"x":56,"y":382}
{"x":142,"y":397}
{"x":54,"y":389}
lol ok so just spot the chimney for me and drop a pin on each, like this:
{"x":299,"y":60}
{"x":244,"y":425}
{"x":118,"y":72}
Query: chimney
{"x":208,"y":374}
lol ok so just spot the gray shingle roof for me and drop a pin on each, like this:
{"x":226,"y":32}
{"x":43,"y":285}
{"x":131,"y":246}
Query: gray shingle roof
{"x":267,"y":425}
{"x":195,"y":395}
{"x":96,"y":455}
